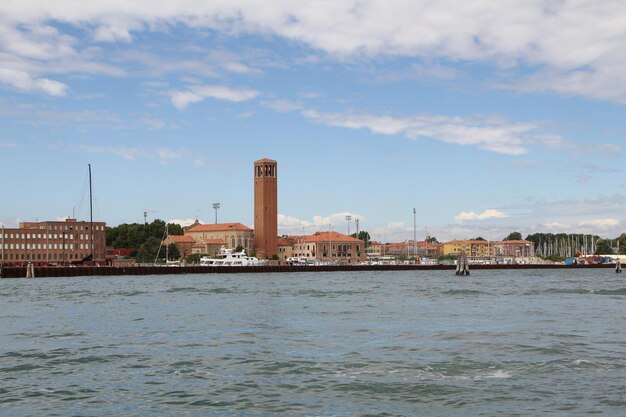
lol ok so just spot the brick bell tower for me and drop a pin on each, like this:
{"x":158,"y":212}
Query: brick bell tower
{"x":265,"y":208}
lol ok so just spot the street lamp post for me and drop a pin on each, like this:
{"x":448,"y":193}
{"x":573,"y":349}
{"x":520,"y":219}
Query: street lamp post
{"x":216,"y":207}
{"x":348,"y":218}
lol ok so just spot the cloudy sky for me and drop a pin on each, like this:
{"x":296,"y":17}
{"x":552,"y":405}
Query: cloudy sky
{"x":486,"y":117}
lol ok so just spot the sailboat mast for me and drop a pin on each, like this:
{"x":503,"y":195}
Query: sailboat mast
{"x":90,"y":216}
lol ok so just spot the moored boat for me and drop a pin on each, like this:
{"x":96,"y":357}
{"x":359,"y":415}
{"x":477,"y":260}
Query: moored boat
{"x":228,"y":257}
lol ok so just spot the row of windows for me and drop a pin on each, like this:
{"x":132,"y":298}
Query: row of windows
{"x":343,"y":248}
{"x":44,"y":236}
{"x":43,"y":257}
{"x":68,"y":227}
{"x":28,"y":246}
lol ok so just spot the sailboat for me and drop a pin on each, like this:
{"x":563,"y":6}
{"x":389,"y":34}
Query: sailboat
{"x":89,"y":258}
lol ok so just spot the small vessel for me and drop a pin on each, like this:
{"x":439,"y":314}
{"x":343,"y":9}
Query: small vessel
{"x":228,"y":257}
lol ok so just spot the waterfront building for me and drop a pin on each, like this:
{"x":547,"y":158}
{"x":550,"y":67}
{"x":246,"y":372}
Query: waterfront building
{"x":210,"y":247}
{"x":428,"y":248}
{"x":285,"y":247}
{"x":330,"y":246}
{"x":472,"y":248}
{"x":53,"y":242}
{"x":516,"y":248}
{"x":229,"y":235}
{"x":183,"y":243}
{"x":265,"y":208}
{"x":375,"y":248}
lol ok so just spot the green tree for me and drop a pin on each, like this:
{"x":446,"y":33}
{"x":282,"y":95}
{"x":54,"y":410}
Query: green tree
{"x":603,"y":247}
{"x":432,"y":239}
{"x":148,"y":250}
{"x":479,"y":238}
{"x":194,"y":258}
{"x":172,"y":252}
{"x":364,"y":236}
{"x":239,"y":248}
{"x":135,"y":234}
{"x":514,"y":236}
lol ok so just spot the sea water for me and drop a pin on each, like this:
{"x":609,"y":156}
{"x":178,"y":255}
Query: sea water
{"x":401,"y":343}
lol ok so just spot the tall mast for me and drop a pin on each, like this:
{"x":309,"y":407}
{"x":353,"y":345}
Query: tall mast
{"x":91,"y":216}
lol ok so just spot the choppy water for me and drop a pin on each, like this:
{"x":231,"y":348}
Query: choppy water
{"x":327,"y":344}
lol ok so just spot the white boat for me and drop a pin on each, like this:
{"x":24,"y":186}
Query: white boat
{"x":228,"y":257}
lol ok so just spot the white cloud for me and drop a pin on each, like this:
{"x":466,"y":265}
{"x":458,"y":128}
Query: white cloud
{"x":288,"y":225}
{"x":23,"y":81}
{"x":282,"y":106}
{"x":485,"y":132}
{"x":602,"y":224}
{"x":161,"y":154}
{"x":487,"y":214}
{"x":125,"y":153}
{"x":568,"y":46}
{"x":183,"y":222}
{"x":195,"y":94}
{"x":154,"y":124}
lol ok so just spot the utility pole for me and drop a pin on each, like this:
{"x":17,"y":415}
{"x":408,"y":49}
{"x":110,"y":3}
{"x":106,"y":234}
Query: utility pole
{"x":357,"y":227}
{"x":348,"y":218}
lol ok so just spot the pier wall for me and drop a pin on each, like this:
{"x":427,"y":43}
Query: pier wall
{"x":81,"y":271}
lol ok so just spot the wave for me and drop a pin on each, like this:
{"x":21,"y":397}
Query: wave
{"x":464,"y":292}
{"x":578,"y":291}
{"x":618,"y":291}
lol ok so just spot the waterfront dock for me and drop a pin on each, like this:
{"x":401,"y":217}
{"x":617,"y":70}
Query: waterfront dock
{"x":83,"y":271}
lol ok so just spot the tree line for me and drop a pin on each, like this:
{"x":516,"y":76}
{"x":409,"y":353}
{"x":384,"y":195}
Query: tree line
{"x":146,"y":238}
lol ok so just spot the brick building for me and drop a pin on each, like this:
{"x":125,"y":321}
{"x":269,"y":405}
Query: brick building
{"x":229,"y":235}
{"x":330,"y":246}
{"x":518,"y":248}
{"x":53,"y":242}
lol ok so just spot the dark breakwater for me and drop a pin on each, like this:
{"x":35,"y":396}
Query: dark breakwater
{"x":78,"y":271}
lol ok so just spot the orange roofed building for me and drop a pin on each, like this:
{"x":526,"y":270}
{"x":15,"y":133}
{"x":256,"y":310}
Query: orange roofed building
{"x":330,"y":246}
{"x":183,"y":243}
{"x":229,"y":235}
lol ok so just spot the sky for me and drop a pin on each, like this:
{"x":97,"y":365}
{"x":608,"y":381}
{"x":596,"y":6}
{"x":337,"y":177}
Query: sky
{"x":485,"y":117}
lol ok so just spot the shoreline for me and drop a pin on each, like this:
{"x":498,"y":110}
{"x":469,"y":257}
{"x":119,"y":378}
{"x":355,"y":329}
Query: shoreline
{"x":81,"y":271}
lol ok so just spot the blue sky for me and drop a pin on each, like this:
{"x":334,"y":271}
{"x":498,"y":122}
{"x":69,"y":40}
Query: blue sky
{"x":487,"y":117}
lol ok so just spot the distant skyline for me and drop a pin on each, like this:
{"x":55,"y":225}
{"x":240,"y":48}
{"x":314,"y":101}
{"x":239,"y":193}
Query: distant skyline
{"x":487,"y":117}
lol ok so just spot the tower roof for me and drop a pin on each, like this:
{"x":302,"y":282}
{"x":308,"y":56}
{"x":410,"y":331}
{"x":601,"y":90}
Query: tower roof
{"x":265,"y":160}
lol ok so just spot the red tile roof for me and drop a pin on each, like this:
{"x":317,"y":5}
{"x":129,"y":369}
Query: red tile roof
{"x":333,"y":236}
{"x":466,"y":242}
{"x":219,"y":227}
{"x":283,"y":241}
{"x":180,"y":239}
